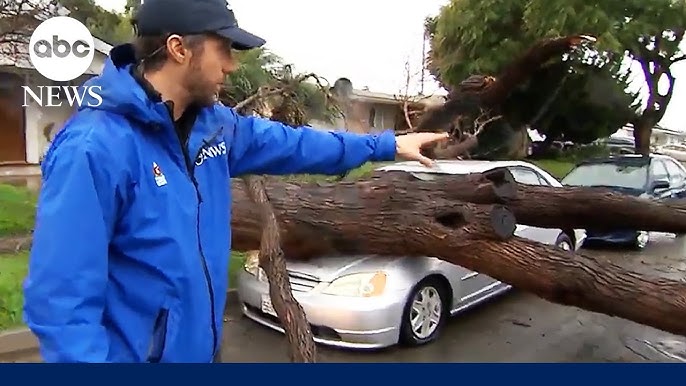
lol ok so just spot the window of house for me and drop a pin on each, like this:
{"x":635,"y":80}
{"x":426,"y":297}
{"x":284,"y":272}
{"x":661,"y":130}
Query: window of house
{"x":372,"y":117}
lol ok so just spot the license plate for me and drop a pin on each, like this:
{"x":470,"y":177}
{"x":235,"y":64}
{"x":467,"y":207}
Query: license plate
{"x":267,"y":306}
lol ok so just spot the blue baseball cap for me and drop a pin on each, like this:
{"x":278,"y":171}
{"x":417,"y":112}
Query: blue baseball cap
{"x":185,"y":17}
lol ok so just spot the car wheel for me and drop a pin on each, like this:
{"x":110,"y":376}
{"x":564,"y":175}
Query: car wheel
{"x":641,"y":240}
{"x":564,"y":242}
{"x":425,"y":313}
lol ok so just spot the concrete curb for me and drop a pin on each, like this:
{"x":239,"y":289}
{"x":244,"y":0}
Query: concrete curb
{"x":15,"y":244}
{"x":21,"y":340}
{"x":17,"y":341}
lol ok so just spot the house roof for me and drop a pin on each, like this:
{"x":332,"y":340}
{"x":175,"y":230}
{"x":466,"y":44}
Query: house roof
{"x":629,"y":128}
{"x":379,"y":97}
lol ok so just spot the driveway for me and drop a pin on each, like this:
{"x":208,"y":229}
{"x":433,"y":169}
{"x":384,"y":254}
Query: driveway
{"x":517,"y":327}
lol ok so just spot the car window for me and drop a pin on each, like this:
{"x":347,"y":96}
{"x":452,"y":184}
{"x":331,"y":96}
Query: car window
{"x":543,"y":180}
{"x":621,"y":174}
{"x":525,"y":176}
{"x":676,"y":174}
{"x":658,"y":170}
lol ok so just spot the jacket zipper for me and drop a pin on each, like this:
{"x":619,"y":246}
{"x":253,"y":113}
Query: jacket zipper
{"x":208,"y":279}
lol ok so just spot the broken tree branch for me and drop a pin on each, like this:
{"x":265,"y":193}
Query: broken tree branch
{"x":291,"y":314}
{"x":272,"y":260}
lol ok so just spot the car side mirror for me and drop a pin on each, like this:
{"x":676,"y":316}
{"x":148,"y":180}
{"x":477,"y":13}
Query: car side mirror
{"x":659,"y":185}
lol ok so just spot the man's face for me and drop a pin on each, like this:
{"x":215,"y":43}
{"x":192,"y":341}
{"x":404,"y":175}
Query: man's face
{"x":205,"y":72}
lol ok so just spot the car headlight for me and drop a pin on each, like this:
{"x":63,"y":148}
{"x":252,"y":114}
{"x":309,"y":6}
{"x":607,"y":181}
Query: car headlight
{"x":252,"y":263}
{"x":358,"y":285}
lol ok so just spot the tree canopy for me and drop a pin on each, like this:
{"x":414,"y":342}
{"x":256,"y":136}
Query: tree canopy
{"x":578,"y":97}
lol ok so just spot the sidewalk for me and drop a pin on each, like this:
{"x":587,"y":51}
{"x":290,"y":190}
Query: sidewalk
{"x":19,"y":171}
{"x":28,"y":176}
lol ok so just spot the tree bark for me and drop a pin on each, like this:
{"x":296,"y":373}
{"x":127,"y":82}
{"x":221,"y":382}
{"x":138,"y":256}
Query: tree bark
{"x":596,"y":209}
{"x":643,"y":128}
{"x":589,"y":208}
{"x":301,"y":348}
{"x":462,"y":220}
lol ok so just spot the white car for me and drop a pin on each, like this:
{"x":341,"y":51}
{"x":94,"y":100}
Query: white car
{"x":373,"y":302}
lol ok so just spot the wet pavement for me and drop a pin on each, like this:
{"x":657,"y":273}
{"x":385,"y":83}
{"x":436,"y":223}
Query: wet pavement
{"x":517,"y":327}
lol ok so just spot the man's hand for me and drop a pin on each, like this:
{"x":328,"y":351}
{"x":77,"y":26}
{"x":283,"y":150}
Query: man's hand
{"x":408,"y":146}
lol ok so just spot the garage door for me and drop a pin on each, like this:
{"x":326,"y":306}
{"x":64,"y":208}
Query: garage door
{"x":12,"y":136}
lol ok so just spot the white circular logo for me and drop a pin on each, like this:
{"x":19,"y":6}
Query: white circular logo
{"x":61,"y":48}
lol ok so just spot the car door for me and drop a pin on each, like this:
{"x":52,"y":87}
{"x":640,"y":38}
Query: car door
{"x":677,"y":178}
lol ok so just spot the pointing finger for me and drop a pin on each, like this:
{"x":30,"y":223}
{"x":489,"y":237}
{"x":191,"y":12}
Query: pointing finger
{"x":428,"y":162}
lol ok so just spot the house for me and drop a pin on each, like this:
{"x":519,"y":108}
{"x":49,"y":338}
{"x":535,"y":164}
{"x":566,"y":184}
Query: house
{"x":660,"y":136}
{"x":26,"y":131}
{"x":366,"y":111}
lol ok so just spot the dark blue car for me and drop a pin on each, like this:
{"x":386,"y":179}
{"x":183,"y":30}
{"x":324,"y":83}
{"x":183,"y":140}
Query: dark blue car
{"x":651,"y":177}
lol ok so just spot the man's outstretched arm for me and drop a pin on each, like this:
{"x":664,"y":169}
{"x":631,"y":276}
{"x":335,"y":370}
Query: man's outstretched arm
{"x":262,"y":146}
{"x":65,"y":288}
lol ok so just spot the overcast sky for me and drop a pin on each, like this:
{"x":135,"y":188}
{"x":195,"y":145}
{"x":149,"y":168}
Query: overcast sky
{"x":367,"y":41}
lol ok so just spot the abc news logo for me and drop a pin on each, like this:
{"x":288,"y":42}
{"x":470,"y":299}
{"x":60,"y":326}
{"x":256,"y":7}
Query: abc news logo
{"x":62,"y":49}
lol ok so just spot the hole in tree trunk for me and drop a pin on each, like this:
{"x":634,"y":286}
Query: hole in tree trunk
{"x":451,"y":220}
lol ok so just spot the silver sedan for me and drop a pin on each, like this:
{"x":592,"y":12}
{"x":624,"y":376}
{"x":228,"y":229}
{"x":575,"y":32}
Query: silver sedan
{"x":367,"y":302}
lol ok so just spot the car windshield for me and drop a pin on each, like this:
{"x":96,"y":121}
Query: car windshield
{"x":621,"y":175}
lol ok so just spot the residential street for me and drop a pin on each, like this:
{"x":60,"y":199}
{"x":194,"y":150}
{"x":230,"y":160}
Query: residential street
{"x":517,"y":327}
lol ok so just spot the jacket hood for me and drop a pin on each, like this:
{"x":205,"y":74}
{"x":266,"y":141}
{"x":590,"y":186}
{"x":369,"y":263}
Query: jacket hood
{"x":121,"y":93}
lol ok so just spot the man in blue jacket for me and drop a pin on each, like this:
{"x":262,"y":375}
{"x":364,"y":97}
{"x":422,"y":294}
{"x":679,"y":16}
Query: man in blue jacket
{"x":130,"y":254}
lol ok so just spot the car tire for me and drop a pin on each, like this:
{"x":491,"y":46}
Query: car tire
{"x":427,"y":292}
{"x":564,"y":242}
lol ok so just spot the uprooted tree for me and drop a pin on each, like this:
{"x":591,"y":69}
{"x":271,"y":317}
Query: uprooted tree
{"x":479,"y":112}
{"x":467,"y":220}
{"x":583,"y":97}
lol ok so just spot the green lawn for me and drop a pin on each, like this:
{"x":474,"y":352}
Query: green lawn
{"x":13,"y":268}
{"x":557,"y":168}
{"x":235,"y":265}
{"x":361,"y":172}
{"x":18,"y":208}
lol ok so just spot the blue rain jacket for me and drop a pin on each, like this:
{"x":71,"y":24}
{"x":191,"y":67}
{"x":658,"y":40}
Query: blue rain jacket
{"x":131,"y":248}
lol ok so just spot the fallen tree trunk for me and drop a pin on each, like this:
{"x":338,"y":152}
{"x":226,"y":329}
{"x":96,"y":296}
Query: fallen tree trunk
{"x":597,"y":209}
{"x":567,"y":207}
{"x":395,"y":215}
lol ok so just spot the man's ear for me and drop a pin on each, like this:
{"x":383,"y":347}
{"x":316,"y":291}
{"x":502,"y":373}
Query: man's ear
{"x":177,"y":52}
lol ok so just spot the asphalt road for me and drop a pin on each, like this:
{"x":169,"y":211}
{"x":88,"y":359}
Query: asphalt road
{"x":516,"y":327}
